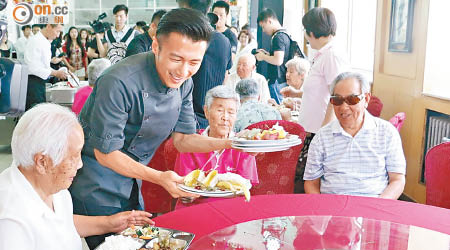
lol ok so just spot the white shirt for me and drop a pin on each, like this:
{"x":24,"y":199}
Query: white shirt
{"x":356,"y":165}
{"x":21,"y":46}
{"x":38,"y":55}
{"x":27,"y":223}
{"x":325,"y":67}
{"x":119,"y":34}
{"x":264,"y":93}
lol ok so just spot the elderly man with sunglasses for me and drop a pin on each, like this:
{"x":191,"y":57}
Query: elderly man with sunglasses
{"x":357,"y":154}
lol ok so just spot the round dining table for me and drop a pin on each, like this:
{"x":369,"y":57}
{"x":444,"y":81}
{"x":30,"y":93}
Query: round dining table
{"x":289,"y":218}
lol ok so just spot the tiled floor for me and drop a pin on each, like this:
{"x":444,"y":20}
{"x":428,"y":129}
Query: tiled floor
{"x":5,"y":162}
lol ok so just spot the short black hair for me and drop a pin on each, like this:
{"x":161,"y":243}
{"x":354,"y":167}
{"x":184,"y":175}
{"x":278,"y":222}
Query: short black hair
{"x":319,"y":21}
{"x":266,"y":14}
{"x":158,"y":15}
{"x":120,"y":7}
{"x":188,"y":22}
{"x":36,"y":25}
{"x":222,"y":4}
{"x":25,"y":27}
{"x":200,"y":5}
{"x":141,"y":23}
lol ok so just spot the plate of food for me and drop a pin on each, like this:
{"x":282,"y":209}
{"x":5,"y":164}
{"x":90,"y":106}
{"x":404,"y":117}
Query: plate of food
{"x":151,"y":237}
{"x":121,"y":242}
{"x":145,"y":232}
{"x":169,"y":244}
{"x":213,"y":184}
{"x":262,"y":149}
{"x":265,"y":137}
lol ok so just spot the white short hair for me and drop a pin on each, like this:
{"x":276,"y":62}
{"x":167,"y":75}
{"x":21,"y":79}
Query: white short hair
{"x":301,"y":65}
{"x":250,"y":57}
{"x":221,"y":91}
{"x":363,"y":83}
{"x":96,"y":68}
{"x":43,"y":129}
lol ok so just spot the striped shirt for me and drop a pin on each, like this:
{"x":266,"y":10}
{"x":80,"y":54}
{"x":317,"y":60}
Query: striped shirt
{"x":355,"y":165}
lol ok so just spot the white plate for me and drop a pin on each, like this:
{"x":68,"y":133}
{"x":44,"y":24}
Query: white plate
{"x":286,"y":143}
{"x":208,"y":193}
{"x":243,"y":141}
{"x":262,"y":149}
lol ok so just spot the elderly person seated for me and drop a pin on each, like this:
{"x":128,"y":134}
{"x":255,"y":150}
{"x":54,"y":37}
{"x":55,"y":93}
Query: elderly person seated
{"x":221,"y":105}
{"x":95,"y":69}
{"x":251,"y":110}
{"x":246,"y":67}
{"x":245,"y":46}
{"x":357,"y":154}
{"x":35,"y":205}
{"x":297,"y":70}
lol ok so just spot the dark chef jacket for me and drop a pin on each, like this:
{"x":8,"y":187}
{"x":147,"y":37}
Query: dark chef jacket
{"x":130,"y":110}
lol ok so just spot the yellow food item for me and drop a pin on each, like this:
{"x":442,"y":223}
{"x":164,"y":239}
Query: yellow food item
{"x":281,"y":133}
{"x":191,"y":178}
{"x":225,"y":185}
{"x":211,"y":179}
{"x":241,"y":187}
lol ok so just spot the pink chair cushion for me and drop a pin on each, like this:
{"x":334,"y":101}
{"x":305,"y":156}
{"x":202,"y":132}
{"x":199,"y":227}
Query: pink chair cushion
{"x":437,"y":175}
{"x":276,"y":170}
{"x":397,"y":120}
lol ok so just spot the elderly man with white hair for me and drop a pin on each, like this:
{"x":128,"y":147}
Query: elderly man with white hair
{"x":357,"y":154}
{"x":246,"y":67}
{"x":95,"y":69}
{"x":35,"y":205}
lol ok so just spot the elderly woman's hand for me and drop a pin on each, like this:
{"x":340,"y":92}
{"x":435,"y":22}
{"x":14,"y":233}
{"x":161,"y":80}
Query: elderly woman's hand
{"x":169,"y":181}
{"x":272,"y":102}
{"x":120,"y":221}
{"x":288,"y":92}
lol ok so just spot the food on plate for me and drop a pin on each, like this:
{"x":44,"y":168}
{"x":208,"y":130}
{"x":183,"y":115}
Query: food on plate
{"x":120,"y":242}
{"x":277,"y":132}
{"x":215,"y":182}
{"x":145,"y":232}
{"x":173,"y":244}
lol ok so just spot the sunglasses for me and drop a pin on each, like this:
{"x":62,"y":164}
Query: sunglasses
{"x":350,"y":99}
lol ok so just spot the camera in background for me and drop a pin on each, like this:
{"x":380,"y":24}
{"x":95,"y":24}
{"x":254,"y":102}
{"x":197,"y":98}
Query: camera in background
{"x":98,"y":26}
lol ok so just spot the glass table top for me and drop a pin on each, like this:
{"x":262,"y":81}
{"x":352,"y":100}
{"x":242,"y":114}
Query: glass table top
{"x":323,"y":232}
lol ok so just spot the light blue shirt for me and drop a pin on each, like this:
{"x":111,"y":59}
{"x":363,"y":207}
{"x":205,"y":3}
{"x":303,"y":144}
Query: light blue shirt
{"x":355,"y":165}
{"x":252,"y":112}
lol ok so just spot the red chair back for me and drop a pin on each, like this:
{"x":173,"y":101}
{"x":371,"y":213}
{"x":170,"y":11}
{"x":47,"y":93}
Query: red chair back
{"x":170,"y":154}
{"x":375,"y":106}
{"x":397,"y":120}
{"x":156,"y":198}
{"x":437,"y":175}
{"x":276,"y":170}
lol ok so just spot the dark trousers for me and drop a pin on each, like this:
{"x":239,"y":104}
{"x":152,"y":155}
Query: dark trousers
{"x":35,"y":91}
{"x":274,"y":88}
{"x":301,"y":164}
{"x":132,"y":204}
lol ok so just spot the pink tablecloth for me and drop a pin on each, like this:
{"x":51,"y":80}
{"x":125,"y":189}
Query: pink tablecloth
{"x":206,"y":218}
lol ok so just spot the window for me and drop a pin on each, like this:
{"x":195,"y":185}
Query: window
{"x":436,"y":80}
{"x":138,"y":10}
{"x":355,"y":35}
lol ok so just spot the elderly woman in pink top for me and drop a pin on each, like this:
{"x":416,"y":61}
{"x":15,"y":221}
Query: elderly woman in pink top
{"x":221,"y":105}
{"x":95,"y":69}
